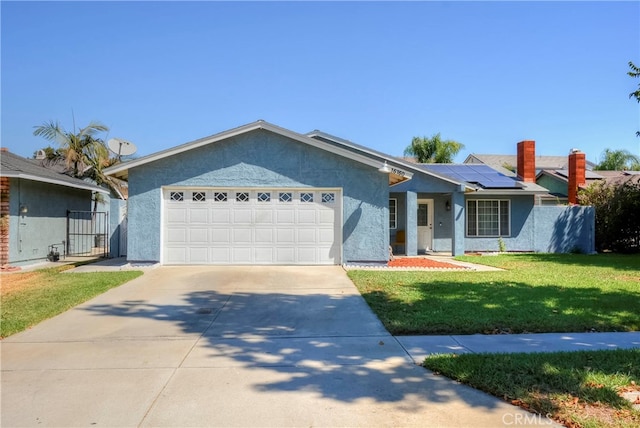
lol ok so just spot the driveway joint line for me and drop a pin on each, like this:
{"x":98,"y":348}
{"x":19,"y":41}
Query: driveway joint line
{"x":179,"y":366}
{"x":455,"y":339}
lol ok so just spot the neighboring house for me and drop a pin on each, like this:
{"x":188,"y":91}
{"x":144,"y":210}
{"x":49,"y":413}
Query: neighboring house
{"x":508,"y":164}
{"x":557,"y":181}
{"x":34,"y":208}
{"x":262,"y":194}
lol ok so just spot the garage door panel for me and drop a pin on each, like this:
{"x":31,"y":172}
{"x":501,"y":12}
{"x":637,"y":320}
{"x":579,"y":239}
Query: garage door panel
{"x":199,"y":215}
{"x":241,"y":216}
{"x":198,"y":235}
{"x":327,"y":217}
{"x":221,"y":215}
{"x":285,"y":236}
{"x":306,"y":235}
{"x":326,"y":236}
{"x":220,"y":255}
{"x":307,"y":216}
{"x":242,"y":255}
{"x":176,"y":255}
{"x":242,"y":235}
{"x":264,"y":236}
{"x":198,"y":254}
{"x":221,"y":236}
{"x":177,"y":215}
{"x":307,"y":255}
{"x":285,"y":216}
{"x":177,"y":236}
{"x":285,"y":255}
{"x":263,"y":216}
{"x":237,"y":226}
{"x":264,"y":255}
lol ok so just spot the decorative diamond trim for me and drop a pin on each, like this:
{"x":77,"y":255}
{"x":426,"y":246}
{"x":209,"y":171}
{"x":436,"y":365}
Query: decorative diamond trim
{"x":199,"y":197}
{"x":242,"y":196}
{"x":264,"y":196}
{"x":177,"y":196}
{"x":220,"y":196}
{"x":306,"y":197}
{"x":329,"y":198}
{"x":286,"y":197}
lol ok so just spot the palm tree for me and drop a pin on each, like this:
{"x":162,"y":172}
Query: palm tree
{"x":618,"y":160}
{"x":635,"y":73}
{"x":98,"y":159}
{"x":433,"y":150}
{"x":78,"y":149}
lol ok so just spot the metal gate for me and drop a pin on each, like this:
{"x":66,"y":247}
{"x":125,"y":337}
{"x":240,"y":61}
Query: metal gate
{"x":87,"y":233}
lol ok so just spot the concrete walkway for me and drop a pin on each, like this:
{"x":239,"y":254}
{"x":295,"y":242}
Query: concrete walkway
{"x":230,"y":346}
{"x":418,"y":347}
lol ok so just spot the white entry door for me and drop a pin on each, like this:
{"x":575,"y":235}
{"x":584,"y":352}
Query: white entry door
{"x":252,"y":226}
{"x":425,"y":225}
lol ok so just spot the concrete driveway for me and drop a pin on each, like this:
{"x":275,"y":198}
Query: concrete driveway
{"x":229,"y":346}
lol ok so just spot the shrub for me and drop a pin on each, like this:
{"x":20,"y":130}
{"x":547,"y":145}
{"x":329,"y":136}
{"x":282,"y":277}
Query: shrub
{"x":617,"y":220}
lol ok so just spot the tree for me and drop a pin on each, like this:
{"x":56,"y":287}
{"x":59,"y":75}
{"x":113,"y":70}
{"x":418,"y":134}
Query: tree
{"x":618,"y":160}
{"x":433,"y":150}
{"x":77,"y":148}
{"x":82,"y":153}
{"x":617,"y":223}
{"x":635,"y":73}
{"x":49,"y":153}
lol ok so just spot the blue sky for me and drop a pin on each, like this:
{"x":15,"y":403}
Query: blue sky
{"x":486,"y":74}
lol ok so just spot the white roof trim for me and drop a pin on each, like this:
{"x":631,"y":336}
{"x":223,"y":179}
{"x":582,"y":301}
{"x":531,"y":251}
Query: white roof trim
{"x":367,"y":159}
{"x":23,"y":176}
{"x":397,"y":161}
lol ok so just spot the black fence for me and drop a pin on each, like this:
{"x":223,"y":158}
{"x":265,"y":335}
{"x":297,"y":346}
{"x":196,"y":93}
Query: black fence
{"x":87,"y":234}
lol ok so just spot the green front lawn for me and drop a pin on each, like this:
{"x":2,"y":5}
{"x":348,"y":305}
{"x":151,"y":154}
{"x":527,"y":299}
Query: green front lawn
{"x":31,"y":297}
{"x":578,"y":389}
{"x":536,"y":293}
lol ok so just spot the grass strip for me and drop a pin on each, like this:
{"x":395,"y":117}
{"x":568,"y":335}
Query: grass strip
{"x":31,"y":297}
{"x":575,"y":388}
{"x":537,"y":293}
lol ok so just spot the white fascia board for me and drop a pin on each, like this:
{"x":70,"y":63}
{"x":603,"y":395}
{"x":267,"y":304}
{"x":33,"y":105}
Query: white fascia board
{"x":374,"y":160}
{"x":88,"y":186}
{"x":113,"y":170}
{"x":387,"y":158}
{"x":367,"y":160}
{"x":521,"y":192}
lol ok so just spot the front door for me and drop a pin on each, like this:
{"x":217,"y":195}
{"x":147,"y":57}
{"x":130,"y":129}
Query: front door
{"x":425,"y":225}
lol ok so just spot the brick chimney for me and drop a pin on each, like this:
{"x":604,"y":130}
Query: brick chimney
{"x":527,"y":161}
{"x":577,"y":174}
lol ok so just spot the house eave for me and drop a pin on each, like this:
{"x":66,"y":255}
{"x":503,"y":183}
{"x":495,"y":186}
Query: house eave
{"x":31,"y":177}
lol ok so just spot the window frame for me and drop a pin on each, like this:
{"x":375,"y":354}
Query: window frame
{"x":498,"y":219}
{"x":393,"y":225}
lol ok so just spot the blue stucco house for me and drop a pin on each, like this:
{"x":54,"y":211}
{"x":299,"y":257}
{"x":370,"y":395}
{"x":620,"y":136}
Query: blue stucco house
{"x":34,"y":210}
{"x":262,"y":194}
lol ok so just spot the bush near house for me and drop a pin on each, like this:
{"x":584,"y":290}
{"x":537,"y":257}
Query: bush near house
{"x":617,"y":220}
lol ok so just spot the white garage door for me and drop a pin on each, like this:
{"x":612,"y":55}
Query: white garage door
{"x":252,"y":226}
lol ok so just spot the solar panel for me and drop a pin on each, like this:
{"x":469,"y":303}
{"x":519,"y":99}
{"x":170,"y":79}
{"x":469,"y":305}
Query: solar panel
{"x":482,"y":175}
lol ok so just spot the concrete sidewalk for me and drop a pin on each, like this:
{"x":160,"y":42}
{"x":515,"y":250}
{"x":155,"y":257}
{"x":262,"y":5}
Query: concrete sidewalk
{"x":418,"y":347}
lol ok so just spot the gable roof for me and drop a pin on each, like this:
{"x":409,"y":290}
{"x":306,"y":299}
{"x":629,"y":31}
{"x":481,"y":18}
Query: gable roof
{"x":563,"y":175}
{"x":349,"y":150}
{"x":503,"y":162}
{"x":413,"y":166}
{"x":591,"y":177}
{"x":15,"y":166}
